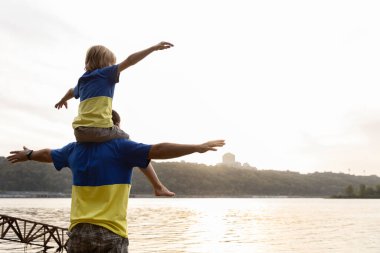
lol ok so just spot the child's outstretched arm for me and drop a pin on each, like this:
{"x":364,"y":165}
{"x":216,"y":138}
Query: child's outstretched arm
{"x":63,"y":102}
{"x":138,"y":56}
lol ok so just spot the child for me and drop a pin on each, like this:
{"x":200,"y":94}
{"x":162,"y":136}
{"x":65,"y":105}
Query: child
{"x":95,"y":88}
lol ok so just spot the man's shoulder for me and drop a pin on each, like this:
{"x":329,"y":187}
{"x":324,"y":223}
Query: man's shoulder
{"x":123,"y":142}
{"x":66,"y":148}
{"x":113,"y":142}
{"x":119,"y":143}
{"x":126,"y":145}
{"x":70,"y":145}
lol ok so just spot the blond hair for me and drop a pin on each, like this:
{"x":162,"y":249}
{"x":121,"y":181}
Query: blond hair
{"x":99,"y":57}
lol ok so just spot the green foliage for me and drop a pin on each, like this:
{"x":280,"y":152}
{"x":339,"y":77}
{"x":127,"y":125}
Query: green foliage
{"x":363,"y":191}
{"x":33,"y":176}
{"x":191,"y":179}
{"x":349,"y":191}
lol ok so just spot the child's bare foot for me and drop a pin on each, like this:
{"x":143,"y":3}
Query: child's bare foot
{"x":163,"y":192}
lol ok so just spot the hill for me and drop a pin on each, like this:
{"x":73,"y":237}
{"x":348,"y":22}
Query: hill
{"x":203,"y":180}
{"x":190,"y":179}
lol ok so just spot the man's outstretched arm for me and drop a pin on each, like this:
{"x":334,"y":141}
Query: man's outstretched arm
{"x":174,"y":150}
{"x":42,"y":155}
{"x":157,"y":151}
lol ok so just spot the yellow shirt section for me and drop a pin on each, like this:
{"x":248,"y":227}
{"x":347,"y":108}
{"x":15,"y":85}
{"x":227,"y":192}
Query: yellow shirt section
{"x":94,"y":112}
{"x":104,"y":206}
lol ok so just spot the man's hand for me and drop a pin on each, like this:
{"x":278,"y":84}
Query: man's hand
{"x":210,"y":146}
{"x":42,"y":155}
{"x":18,"y":156}
{"x":163,"y":45}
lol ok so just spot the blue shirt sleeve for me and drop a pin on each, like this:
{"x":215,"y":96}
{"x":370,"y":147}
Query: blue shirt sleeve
{"x":61,"y":156}
{"x":76,"y":91}
{"x":111,"y":73}
{"x":133,"y":153}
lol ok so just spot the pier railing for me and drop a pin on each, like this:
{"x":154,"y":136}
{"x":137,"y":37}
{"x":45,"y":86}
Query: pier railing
{"x":33,"y":233}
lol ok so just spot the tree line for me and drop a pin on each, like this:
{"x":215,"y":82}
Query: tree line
{"x":192,"y":179}
{"x":361,"y":191}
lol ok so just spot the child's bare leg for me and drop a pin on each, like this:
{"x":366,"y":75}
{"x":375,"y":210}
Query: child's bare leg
{"x":159,"y":188}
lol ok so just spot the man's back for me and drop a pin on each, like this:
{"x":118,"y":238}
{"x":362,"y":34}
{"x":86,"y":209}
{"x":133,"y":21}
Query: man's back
{"x":101,"y":180}
{"x":99,"y":183}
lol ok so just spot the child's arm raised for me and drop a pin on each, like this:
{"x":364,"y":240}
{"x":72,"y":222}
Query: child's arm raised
{"x":63,"y":102}
{"x":138,"y":56}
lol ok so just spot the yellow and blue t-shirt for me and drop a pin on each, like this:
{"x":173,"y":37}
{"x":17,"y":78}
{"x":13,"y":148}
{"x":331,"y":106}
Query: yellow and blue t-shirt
{"x":102,"y":175}
{"x":95,"y":90}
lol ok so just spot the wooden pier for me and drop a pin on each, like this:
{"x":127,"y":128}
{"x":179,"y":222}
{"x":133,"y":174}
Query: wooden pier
{"x":33,"y":233}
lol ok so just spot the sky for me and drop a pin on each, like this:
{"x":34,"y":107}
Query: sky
{"x":290,"y":85}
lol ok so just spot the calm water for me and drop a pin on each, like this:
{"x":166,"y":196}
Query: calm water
{"x":257,"y":225}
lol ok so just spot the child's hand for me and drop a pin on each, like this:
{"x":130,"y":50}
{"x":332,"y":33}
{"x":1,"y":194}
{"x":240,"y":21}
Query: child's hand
{"x":163,"y":45}
{"x":60,"y":104}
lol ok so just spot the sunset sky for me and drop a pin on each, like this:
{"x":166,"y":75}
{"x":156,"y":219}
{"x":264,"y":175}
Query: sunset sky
{"x":290,"y":85}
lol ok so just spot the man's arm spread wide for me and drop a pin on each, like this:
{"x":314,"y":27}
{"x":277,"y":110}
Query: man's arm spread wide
{"x":173,"y":150}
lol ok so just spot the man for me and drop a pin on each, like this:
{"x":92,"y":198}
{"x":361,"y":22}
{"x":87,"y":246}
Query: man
{"x":101,"y":175}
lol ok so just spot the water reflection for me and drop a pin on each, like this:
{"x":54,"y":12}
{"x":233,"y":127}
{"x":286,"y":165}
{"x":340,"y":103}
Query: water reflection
{"x":258,"y":225}
{"x":231,"y":225}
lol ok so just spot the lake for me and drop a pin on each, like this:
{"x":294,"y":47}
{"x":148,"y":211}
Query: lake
{"x":244,"y":225}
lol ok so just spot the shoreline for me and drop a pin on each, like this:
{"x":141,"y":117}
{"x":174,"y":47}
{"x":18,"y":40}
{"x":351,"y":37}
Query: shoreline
{"x":26,"y":194}
{"x":34,"y":195}
{"x":68,"y":195}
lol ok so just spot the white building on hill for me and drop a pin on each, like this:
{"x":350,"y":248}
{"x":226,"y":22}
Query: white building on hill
{"x":229,"y":160}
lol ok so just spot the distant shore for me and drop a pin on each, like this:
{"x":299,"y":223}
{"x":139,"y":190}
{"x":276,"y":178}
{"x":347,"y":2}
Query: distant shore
{"x":355,"y":197}
{"x":30,"y":194}
{"x":15,"y":194}
{"x":34,"y":195}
